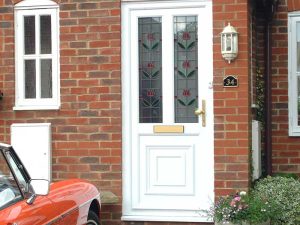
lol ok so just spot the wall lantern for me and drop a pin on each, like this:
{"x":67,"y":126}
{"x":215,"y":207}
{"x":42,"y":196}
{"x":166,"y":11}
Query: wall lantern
{"x":1,"y":95}
{"x":229,"y":43}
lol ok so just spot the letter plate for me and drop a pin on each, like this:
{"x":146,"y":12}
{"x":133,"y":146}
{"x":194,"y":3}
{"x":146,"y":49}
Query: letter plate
{"x":168,"y":129}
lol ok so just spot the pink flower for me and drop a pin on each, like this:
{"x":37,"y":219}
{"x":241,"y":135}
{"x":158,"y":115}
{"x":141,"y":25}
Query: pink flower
{"x":186,"y":64}
{"x":186,"y":36}
{"x":232,"y":203}
{"x":237,"y":198}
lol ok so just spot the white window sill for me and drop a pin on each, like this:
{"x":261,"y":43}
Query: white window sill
{"x":19,"y":108}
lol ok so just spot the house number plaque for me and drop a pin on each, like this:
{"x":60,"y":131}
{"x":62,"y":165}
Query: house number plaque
{"x":230,"y":81}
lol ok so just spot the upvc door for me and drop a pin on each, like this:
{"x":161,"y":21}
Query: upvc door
{"x":167,"y":110}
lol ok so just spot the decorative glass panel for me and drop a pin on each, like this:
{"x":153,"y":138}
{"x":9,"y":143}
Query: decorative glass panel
{"x":186,"y":68}
{"x":298,"y":69}
{"x":29,"y":34}
{"x":45,"y":30}
{"x":298,"y":100}
{"x":46,"y":78}
{"x":30,"y":79}
{"x":150,"y":75}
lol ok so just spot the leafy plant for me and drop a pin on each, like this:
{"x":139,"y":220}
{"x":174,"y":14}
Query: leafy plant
{"x":260,"y":96}
{"x":284,"y":195}
{"x":288,"y":175}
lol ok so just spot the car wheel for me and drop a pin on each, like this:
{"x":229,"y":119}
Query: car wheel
{"x":93,"y":219}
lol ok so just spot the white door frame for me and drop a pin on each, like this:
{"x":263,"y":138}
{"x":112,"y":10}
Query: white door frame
{"x":128,"y":83}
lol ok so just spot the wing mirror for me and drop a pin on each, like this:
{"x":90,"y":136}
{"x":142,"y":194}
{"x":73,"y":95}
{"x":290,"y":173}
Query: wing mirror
{"x":39,"y":187}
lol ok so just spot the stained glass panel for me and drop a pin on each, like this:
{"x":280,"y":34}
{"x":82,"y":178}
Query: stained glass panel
{"x":150,"y":65}
{"x":185,"y":68}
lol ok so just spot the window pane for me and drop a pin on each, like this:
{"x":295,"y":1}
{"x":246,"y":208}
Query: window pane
{"x":45,"y":30}
{"x":186,"y":68}
{"x":9,"y":190}
{"x":30,"y":78}
{"x":298,"y":101}
{"x":29,"y":34}
{"x":16,"y":170}
{"x":46,"y":78}
{"x":150,"y":65}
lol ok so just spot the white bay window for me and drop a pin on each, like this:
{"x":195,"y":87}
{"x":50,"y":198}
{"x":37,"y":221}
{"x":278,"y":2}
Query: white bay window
{"x":37,"y":55}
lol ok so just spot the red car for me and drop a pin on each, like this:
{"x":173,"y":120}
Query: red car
{"x":25,"y":201}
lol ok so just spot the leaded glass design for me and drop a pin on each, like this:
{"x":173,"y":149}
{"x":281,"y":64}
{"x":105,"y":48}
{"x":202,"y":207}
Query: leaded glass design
{"x":185,"y":68}
{"x":150,"y":65}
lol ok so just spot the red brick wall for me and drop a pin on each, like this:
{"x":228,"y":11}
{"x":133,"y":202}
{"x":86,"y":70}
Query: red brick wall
{"x":232,"y":112}
{"x":293,"y":5}
{"x":286,"y":150}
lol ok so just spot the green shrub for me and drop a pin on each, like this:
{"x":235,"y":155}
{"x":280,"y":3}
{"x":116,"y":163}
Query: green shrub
{"x":288,"y":175}
{"x":284,"y":195}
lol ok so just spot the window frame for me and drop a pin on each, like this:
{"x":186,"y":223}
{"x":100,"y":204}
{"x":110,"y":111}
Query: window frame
{"x":37,"y":9}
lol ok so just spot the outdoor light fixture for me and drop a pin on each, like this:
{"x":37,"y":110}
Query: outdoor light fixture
{"x":229,"y":43}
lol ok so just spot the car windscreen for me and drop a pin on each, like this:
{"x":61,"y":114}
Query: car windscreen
{"x":9,"y":189}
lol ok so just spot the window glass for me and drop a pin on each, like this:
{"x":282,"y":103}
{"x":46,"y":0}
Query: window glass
{"x":298,"y":45}
{"x":150,"y":70}
{"x":29,"y":34}
{"x":9,"y":190}
{"x":30,"y":79}
{"x":46,"y":78}
{"x":298,"y":100}
{"x":185,"y":68}
{"x":298,"y":70}
{"x":17,"y":172}
{"x":45,"y":32}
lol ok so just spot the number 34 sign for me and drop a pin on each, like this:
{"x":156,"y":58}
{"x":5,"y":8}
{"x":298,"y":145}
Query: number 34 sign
{"x":230,"y":81}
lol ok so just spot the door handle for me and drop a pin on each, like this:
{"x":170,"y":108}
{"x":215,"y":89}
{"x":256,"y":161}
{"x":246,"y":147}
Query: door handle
{"x":202,"y":112}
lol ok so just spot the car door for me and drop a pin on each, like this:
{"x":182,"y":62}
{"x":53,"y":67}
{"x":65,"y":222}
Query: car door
{"x":15,"y":209}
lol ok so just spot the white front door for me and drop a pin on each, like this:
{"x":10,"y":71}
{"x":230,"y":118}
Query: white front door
{"x":168,"y":166}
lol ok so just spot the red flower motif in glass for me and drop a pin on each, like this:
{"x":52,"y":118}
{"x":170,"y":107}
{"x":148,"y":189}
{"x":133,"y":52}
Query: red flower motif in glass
{"x":186,"y":93}
{"x":186,"y":64}
{"x":150,"y":65}
{"x":150,"y":37}
{"x":150,"y":93}
{"x":186,"y":36}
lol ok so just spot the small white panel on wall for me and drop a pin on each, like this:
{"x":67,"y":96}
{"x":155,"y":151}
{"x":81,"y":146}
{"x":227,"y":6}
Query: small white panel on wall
{"x":32,"y":142}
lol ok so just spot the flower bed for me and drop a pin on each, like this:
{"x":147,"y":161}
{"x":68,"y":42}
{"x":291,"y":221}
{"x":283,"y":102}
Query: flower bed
{"x":241,"y":208}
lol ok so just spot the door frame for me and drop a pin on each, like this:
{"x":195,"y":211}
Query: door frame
{"x":127,"y":166}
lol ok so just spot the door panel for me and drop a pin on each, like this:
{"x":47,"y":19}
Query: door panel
{"x":169,"y":165}
{"x":167,"y":76}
